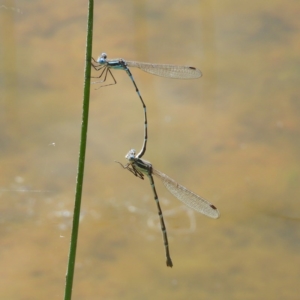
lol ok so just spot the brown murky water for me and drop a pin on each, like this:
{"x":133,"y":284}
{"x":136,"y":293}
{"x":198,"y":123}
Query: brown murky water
{"x":232,"y":136}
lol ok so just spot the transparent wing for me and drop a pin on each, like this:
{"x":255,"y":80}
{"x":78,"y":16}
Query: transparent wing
{"x":171,"y":71}
{"x":188,"y":197}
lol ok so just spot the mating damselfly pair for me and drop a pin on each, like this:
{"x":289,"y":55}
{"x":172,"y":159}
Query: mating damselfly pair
{"x":136,"y":164}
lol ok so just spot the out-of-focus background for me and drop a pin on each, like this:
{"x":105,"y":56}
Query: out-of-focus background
{"x":232,"y":136}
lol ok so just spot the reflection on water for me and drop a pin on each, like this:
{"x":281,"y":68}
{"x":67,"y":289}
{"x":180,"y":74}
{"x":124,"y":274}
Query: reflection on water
{"x":152,"y":219}
{"x":12,"y":8}
{"x":231,"y":136}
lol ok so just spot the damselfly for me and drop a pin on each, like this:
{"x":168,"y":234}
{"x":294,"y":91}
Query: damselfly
{"x":105,"y":65}
{"x":140,"y":167}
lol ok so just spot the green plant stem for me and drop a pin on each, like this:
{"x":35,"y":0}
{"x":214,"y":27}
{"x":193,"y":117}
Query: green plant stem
{"x":80,"y":170}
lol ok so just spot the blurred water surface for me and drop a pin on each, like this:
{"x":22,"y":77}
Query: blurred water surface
{"x":231,"y":136}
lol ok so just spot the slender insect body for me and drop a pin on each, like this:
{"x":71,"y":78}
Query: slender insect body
{"x":120,"y":64}
{"x":105,"y":65}
{"x":140,"y":167}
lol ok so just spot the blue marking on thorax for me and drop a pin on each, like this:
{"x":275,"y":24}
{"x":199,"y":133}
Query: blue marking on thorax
{"x":115,"y":64}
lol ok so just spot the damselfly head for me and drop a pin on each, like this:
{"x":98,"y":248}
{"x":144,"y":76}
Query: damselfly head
{"x":130,"y":155}
{"x":102,"y":58}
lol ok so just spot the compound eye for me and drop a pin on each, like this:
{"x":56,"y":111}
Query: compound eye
{"x":102,"y":58}
{"x":130,"y":155}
